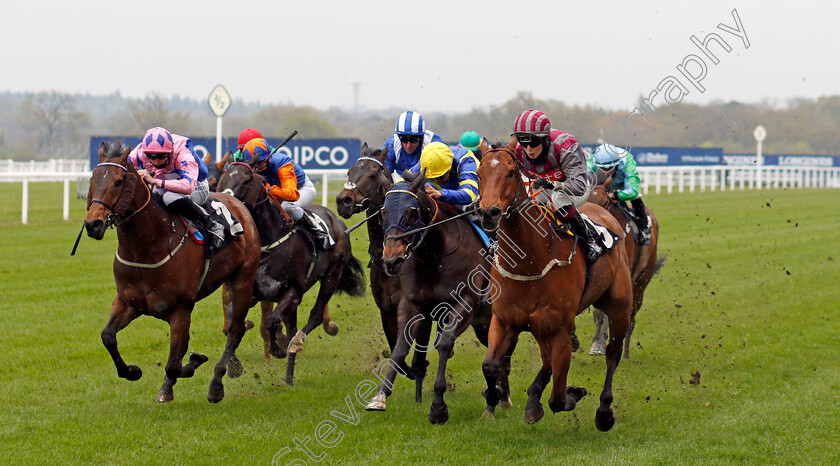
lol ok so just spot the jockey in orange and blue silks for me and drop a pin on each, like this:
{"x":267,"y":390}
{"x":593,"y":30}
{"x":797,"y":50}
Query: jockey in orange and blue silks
{"x":406,"y":144}
{"x":287,"y":182}
{"x":168,"y":162}
{"x":451,"y":174}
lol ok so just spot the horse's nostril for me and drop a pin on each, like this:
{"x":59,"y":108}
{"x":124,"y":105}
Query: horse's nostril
{"x":494,"y":212}
{"x":345,"y":200}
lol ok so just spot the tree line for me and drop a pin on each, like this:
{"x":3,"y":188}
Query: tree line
{"x":57,"y":125}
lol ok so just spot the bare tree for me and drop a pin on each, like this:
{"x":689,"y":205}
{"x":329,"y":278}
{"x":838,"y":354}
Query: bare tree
{"x":55,"y":122}
{"x":149,"y":112}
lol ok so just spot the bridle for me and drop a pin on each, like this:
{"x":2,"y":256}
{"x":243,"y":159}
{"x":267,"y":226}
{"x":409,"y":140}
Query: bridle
{"x":123,"y":201}
{"x":366,"y":197}
{"x":414,"y":243}
{"x":514,"y":206}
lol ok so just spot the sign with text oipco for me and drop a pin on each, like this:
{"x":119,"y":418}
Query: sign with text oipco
{"x":309,"y":153}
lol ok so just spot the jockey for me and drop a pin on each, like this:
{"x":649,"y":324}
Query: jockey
{"x":287,"y":182}
{"x":406,"y":144}
{"x":471,"y":141}
{"x":451,"y":175}
{"x":246,"y":135}
{"x":180,"y":176}
{"x":621,"y":165}
{"x":556,"y":163}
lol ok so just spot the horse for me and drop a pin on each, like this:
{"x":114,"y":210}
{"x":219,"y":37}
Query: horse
{"x":160,"y":272}
{"x":442,"y":267}
{"x":643,"y":261}
{"x":215,"y":172}
{"x":293,"y":260}
{"x":544,"y":283}
{"x":367,"y":182}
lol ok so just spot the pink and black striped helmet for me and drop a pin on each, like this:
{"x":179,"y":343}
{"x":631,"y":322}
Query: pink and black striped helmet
{"x":533,"y":122}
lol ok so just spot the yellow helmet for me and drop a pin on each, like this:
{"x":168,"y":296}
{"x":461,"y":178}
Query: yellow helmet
{"x":436,"y":159}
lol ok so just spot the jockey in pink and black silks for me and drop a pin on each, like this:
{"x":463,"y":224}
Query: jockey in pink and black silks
{"x":169,"y":163}
{"x":555,"y":162}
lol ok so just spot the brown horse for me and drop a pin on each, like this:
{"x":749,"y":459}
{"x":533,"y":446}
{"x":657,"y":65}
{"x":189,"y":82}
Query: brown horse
{"x":215,"y":172}
{"x":293,"y":261}
{"x":544,"y":284}
{"x":443,"y":272}
{"x":642,"y":259}
{"x":160,"y":272}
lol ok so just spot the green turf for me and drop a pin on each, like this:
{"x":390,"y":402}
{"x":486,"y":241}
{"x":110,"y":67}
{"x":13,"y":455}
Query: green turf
{"x":747,"y":300}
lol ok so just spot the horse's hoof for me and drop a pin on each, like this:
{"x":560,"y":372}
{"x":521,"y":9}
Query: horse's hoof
{"x":439,"y":416}
{"x":506,"y":404}
{"x":577,"y":393}
{"x":197,"y":359}
{"x":164,"y":397}
{"x":216,"y":393}
{"x":597,"y":349}
{"x":489,"y":413}
{"x":377,"y":403}
{"x":604,"y":419}
{"x":234,"y":368}
{"x":575,"y":343}
{"x":534,"y":412}
{"x":249,"y":324}
{"x":296,"y":345}
{"x":331,"y":328}
{"x":133,"y":373}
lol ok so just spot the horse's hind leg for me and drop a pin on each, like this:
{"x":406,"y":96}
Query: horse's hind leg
{"x":599,"y":340}
{"x":286,"y":312}
{"x":329,"y":326}
{"x":619,"y":317}
{"x":267,"y":307}
{"x":121,"y":315}
{"x":419,"y":362}
{"x":329,"y":283}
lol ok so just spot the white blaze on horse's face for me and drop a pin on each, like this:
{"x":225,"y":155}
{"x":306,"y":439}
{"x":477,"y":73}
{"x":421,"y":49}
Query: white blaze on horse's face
{"x":228,"y":191}
{"x":494,"y":162}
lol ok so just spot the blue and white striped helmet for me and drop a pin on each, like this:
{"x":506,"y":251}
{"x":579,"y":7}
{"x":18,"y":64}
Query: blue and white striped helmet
{"x":410,"y":123}
{"x":607,"y":156}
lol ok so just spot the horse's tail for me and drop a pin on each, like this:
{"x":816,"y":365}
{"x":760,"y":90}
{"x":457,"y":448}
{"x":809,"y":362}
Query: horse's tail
{"x":352,"y":279}
{"x":659,"y":264}
{"x":265,"y":287}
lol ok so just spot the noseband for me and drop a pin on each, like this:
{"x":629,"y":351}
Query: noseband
{"x":350,"y":186}
{"x":123,"y":201}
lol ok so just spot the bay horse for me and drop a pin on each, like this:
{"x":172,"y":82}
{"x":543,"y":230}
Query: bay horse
{"x":443,"y":273}
{"x":544,"y":284}
{"x":642,"y":259}
{"x":160,"y":272}
{"x":215,"y":172}
{"x":293,"y":261}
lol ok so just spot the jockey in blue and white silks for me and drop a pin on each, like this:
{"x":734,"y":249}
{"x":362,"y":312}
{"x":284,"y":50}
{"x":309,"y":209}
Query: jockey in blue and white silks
{"x":406,"y":144}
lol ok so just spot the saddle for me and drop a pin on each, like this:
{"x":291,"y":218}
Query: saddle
{"x":322,"y":240}
{"x":225,"y":227}
{"x":606,"y":238}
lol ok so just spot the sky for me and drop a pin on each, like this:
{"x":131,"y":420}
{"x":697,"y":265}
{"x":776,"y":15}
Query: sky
{"x":431,"y":55}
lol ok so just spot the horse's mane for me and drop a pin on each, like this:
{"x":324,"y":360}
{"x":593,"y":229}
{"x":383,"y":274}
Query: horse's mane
{"x":113,"y":148}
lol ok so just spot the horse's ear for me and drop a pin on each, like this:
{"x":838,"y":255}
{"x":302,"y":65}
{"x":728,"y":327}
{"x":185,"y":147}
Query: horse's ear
{"x":416,"y":185}
{"x":125,"y":152}
{"x":102,"y":147}
{"x":221,"y":163}
{"x":512,"y":144}
{"x":381,"y":155}
{"x":483,"y":146}
{"x":365,"y":150}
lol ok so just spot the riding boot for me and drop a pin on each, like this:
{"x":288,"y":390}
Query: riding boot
{"x":319,"y":234}
{"x":640,"y":213}
{"x":186,"y":207}
{"x":590,"y":247}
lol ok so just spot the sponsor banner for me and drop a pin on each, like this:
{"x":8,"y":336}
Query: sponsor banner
{"x":669,"y":156}
{"x":309,"y":153}
{"x":792,"y":161}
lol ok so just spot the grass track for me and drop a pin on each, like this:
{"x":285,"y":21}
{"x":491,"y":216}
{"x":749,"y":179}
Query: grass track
{"x":748,"y":299}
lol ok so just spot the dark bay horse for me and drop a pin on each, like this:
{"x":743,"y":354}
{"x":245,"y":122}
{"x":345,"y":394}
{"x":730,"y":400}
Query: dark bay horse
{"x":293,"y":261}
{"x":642,"y":259}
{"x":444,"y":277}
{"x":215,"y":172}
{"x":367,"y":182}
{"x":544,"y":284}
{"x":158,"y":270}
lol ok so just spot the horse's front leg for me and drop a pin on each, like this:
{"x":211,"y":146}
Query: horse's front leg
{"x":619,"y":324}
{"x":179,"y":337}
{"x":563,"y":398}
{"x":419,"y":362}
{"x":329,"y":283}
{"x":241,"y":290}
{"x":499,"y":339}
{"x":599,"y":340}
{"x":407,"y":329}
{"x":533,"y":407}
{"x":286,"y":312}
{"x":121,"y":315}
{"x":439,"y":412}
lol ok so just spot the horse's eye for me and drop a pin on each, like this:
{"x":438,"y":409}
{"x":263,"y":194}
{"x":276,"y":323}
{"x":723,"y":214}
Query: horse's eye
{"x":511,"y":174}
{"x":412,"y":216}
{"x":118,"y":182}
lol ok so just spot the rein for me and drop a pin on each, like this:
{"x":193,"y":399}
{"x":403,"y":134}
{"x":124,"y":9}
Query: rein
{"x":123,"y":202}
{"x":351,"y":186}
